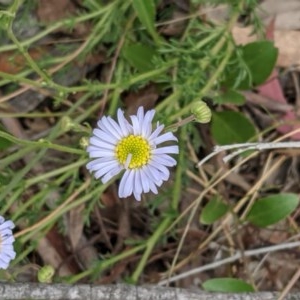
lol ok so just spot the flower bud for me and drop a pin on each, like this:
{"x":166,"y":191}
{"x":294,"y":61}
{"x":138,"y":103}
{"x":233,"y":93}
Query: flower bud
{"x":201,"y":112}
{"x":45,"y":274}
{"x":84,"y":142}
{"x":67,"y":123}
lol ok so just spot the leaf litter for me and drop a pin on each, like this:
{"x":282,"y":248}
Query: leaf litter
{"x":111,"y":226}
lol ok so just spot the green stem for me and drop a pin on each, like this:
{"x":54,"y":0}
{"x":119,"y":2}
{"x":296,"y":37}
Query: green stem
{"x":163,"y":226}
{"x":21,"y":48}
{"x":54,"y":173}
{"x":40,"y":144}
{"x":57,"y":25}
{"x":151,"y":242}
{"x":15,"y":156}
{"x":104,"y":264}
{"x":20,"y":175}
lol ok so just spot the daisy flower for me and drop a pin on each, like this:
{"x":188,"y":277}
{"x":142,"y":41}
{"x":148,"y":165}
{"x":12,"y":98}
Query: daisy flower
{"x":132,"y":147}
{"x":7,"y":252}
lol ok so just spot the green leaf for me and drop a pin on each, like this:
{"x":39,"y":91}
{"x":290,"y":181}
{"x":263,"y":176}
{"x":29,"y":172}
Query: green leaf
{"x":5,"y":178}
{"x":229,"y":127}
{"x":232,"y":97}
{"x":227,"y":285}
{"x":4,"y":143}
{"x":259,"y":60}
{"x":145,"y":10}
{"x":139,"y":56}
{"x":213,"y":210}
{"x":270,"y":210}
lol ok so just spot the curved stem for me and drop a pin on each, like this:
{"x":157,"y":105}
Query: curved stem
{"x":158,"y":233}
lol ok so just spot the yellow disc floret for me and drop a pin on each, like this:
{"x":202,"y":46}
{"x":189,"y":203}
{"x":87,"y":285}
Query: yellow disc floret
{"x":133,"y":151}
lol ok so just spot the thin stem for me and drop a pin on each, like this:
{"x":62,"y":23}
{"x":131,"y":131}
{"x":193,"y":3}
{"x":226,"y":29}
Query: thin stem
{"x":152,"y":241}
{"x":150,"y":244}
{"x":57,"y":25}
{"x":238,"y":255}
{"x":40,"y":144}
{"x":104,"y":264}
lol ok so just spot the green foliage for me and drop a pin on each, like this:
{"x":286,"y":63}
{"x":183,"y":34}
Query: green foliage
{"x":4,"y":143}
{"x":272,"y":209}
{"x":145,"y":11}
{"x":230,"y":97}
{"x":253,"y":64}
{"x":139,"y":56}
{"x":213,"y":210}
{"x":125,"y":50}
{"x":227,"y":285}
{"x":229,"y":127}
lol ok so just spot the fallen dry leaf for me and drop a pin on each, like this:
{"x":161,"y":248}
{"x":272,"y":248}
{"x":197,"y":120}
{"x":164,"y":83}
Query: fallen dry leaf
{"x":13,"y":62}
{"x":75,"y":225}
{"x":55,"y":10}
{"x":273,"y":90}
{"x":285,"y":12}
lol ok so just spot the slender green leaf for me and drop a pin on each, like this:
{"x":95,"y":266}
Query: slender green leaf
{"x":4,"y":143}
{"x":227,"y":285}
{"x":270,"y":210}
{"x":145,"y":10}
{"x":229,"y":127}
{"x":213,"y":210}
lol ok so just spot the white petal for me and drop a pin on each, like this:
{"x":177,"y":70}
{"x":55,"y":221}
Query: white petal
{"x":7,"y":224}
{"x":7,"y":240}
{"x":6,"y":257}
{"x":125,"y":184}
{"x":156,"y":132}
{"x":128,"y":188}
{"x":112,"y":173}
{"x":165,"y":150}
{"x":95,"y":141}
{"x":7,"y":249}
{"x":107,"y":123}
{"x":135,"y":125}
{"x":168,"y":136}
{"x":164,"y":159}
{"x":147,"y":123}
{"x":104,"y":136}
{"x":140,"y":115}
{"x":96,"y":148}
{"x":97,"y":164}
{"x":3,"y":265}
{"x":154,"y":175}
{"x":164,"y":172}
{"x":137,"y":196}
{"x":116,"y":126}
{"x":145,"y":181}
{"x":124,"y":124}
{"x":138,"y":188}
{"x":5,"y":233}
{"x":94,"y":163}
{"x":122,"y":184}
{"x":101,"y":153}
{"x":153,"y":187}
{"x":105,"y":169}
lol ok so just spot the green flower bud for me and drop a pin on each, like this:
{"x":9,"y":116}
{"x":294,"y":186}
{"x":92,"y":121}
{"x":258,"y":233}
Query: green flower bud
{"x":45,"y":274}
{"x":84,"y":142}
{"x":66,"y":123}
{"x":201,"y":112}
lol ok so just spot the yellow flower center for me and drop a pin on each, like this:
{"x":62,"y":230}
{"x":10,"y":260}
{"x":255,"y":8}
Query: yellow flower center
{"x":133,"y":152}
